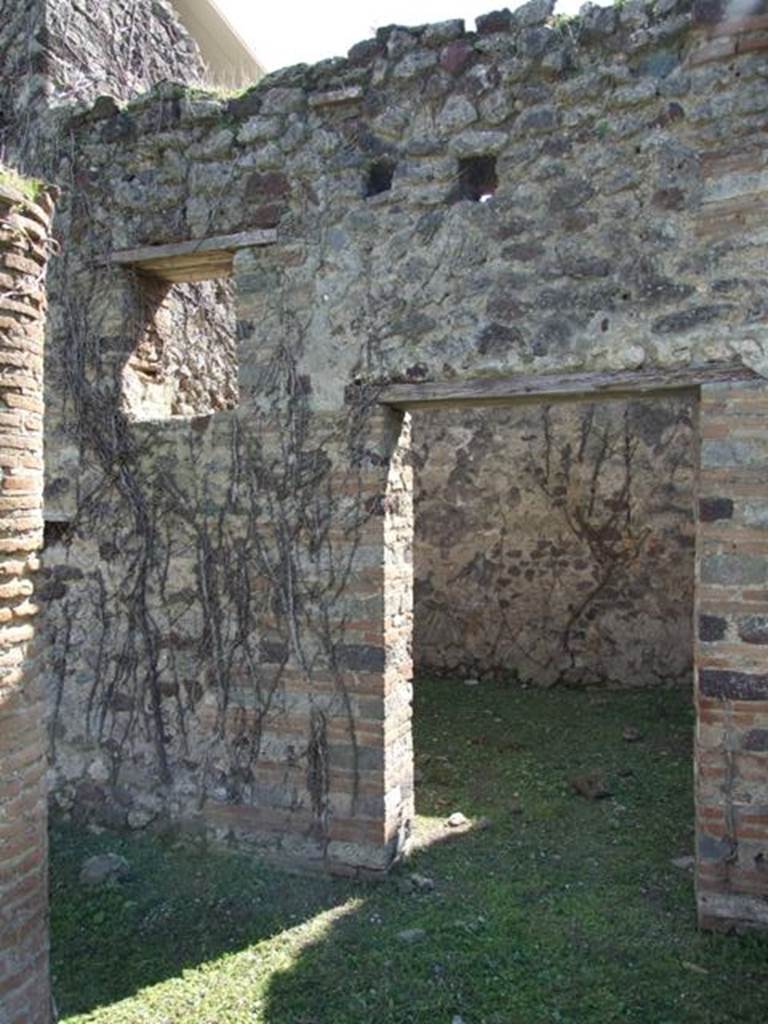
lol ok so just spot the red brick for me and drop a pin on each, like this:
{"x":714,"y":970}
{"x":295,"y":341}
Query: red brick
{"x":715,"y":49}
{"x":753,"y":43}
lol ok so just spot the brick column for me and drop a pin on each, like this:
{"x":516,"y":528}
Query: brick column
{"x":732,"y":659}
{"x":24,"y":985}
{"x":378,"y":662}
{"x":398,"y":637}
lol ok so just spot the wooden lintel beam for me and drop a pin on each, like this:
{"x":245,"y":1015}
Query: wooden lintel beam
{"x":194,"y":260}
{"x":562,"y":387}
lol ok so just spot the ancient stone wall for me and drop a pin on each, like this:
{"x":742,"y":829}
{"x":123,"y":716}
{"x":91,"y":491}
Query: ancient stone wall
{"x":228,"y":607}
{"x":555,"y":544}
{"x":24,"y":251}
{"x":118,"y":49}
{"x":608,"y":241}
{"x":22,"y":81}
{"x":55,"y":52}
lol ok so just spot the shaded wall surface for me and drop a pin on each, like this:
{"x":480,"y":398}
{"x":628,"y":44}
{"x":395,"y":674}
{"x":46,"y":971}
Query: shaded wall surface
{"x":24,"y":251}
{"x":555,"y":544}
{"x":54,"y":52}
{"x":185,"y":359}
{"x":21,"y":85}
{"x":118,"y":48}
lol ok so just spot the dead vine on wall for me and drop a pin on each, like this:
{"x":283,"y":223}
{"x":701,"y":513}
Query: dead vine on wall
{"x":206,"y":561}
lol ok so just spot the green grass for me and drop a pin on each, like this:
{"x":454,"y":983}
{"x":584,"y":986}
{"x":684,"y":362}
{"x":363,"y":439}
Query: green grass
{"x":30,"y":188}
{"x":569,"y":912}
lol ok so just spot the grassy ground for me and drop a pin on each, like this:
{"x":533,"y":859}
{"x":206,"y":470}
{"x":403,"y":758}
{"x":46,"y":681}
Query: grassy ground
{"x":563,"y":910}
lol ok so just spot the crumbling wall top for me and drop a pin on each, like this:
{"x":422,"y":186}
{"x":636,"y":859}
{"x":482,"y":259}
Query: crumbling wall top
{"x":624,"y":152}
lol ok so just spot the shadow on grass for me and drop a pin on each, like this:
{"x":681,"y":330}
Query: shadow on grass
{"x":563,"y":910}
{"x":538,"y":948}
{"x":181,"y":908}
{"x":542,"y":956}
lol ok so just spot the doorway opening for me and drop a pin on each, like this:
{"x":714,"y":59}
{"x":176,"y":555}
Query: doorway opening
{"x":554,"y":563}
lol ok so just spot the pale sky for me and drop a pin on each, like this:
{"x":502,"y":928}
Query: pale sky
{"x":287,"y":32}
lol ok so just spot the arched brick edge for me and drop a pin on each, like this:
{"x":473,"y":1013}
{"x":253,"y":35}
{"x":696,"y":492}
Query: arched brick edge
{"x":24,"y":249}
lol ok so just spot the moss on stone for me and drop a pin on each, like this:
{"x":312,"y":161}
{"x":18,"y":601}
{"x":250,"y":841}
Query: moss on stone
{"x":30,"y":188}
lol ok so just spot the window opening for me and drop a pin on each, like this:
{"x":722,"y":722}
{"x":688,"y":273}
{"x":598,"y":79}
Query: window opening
{"x":184,"y":363}
{"x":380,"y":174}
{"x":478,"y":180}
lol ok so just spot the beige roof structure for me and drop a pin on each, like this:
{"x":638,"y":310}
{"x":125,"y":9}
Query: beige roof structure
{"x":230,"y":60}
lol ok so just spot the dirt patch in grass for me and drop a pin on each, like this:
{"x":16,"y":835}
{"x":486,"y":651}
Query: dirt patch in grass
{"x":556,"y":908}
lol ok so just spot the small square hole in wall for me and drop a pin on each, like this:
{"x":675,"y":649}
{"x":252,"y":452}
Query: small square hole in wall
{"x":379,"y":178}
{"x":477,"y":178}
{"x":184,"y":363}
{"x":56,"y":531}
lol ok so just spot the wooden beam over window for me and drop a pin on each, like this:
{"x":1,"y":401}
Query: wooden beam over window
{"x":586,"y":386}
{"x":197,"y":260}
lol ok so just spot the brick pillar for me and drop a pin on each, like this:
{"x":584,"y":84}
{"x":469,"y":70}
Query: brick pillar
{"x":24,"y":986}
{"x":398,"y":636}
{"x":732,"y":658}
{"x":378,"y":663}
